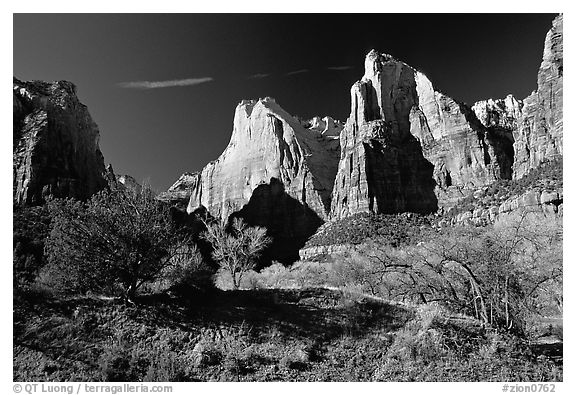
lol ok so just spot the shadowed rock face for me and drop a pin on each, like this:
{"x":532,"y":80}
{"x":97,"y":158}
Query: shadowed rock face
{"x":289,"y":222}
{"x":55,"y":149}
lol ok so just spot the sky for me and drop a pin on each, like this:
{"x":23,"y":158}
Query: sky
{"x":163,"y":87}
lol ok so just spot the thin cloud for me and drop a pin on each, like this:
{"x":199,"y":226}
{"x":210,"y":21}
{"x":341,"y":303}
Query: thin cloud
{"x":340,"y":68}
{"x":297,"y":72}
{"x":164,"y":84}
{"x":259,"y":75}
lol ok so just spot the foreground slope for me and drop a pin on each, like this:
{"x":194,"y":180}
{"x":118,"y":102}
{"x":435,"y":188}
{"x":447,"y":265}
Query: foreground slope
{"x":261,"y":335}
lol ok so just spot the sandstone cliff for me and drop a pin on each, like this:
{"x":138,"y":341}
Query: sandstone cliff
{"x":55,"y":144}
{"x":121,"y":182}
{"x":545,"y":202}
{"x":406,"y":147}
{"x":274,"y":173}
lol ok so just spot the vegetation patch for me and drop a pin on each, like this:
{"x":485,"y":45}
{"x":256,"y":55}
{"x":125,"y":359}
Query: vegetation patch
{"x":394,"y":229}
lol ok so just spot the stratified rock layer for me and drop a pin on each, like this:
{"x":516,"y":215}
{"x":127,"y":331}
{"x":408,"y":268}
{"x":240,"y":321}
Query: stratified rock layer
{"x":55,"y":149}
{"x":274,"y":173}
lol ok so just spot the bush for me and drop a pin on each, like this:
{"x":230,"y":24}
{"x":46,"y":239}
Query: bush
{"x":142,"y":360}
{"x":431,"y":348}
{"x":394,"y":229}
{"x":30,"y":229}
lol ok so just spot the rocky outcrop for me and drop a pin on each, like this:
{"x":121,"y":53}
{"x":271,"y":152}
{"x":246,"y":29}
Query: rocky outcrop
{"x":129,"y":182}
{"x":55,"y":149}
{"x":274,"y":173}
{"x":120,"y":182}
{"x":406,"y":146}
{"x":547,"y":202}
{"x":504,"y":114}
{"x":315,"y":251}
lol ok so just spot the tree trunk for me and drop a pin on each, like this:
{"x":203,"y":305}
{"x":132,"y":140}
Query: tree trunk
{"x":131,"y":292}
{"x":507,"y":313}
{"x":235,"y":280}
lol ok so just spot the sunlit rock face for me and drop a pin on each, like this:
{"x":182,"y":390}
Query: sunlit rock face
{"x":499,"y":113}
{"x":274,"y":172}
{"x":406,"y":147}
{"x":55,"y":144}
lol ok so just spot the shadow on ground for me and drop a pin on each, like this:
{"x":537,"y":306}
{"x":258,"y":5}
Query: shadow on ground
{"x":310,"y":313}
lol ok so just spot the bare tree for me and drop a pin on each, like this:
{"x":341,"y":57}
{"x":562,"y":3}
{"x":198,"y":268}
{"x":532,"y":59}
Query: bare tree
{"x":500,"y":274}
{"x":236,"y":249}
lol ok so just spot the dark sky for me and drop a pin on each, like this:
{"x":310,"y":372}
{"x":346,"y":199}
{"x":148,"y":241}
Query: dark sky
{"x":307,"y":62}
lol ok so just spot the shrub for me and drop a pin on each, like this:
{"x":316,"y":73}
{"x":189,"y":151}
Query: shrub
{"x":394,"y":229}
{"x":122,"y":362}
